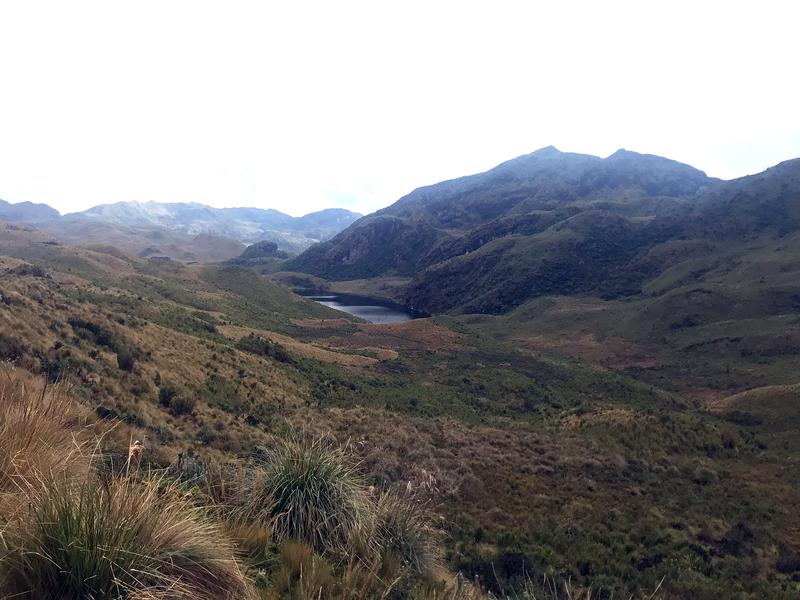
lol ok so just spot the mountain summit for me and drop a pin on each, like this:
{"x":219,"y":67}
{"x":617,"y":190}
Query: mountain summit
{"x":524,"y":196}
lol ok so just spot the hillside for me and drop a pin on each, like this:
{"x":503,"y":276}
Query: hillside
{"x":557,"y":224}
{"x":521,"y":197}
{"x":519,"y":445}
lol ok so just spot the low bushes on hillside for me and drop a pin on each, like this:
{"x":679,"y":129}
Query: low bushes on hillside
{"x":256,"y":344}
{"x":299,"y":523}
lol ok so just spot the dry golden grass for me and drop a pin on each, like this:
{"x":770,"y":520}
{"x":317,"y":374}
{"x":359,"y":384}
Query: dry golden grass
{"x":612,"y":352}
{"x":68,"y":531}
{"x":40,"y":432}
{"x":785,"y":393}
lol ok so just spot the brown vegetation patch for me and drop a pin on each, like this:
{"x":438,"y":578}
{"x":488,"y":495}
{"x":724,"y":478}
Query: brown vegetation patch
{"x":301,"y":348}
{"x":619,"y":417}
{"x":496,"y":476}
{"x":322,"y":323}
{"x":612,"y":352}
{"x":786,"y":393}
{"x":419,"y":334}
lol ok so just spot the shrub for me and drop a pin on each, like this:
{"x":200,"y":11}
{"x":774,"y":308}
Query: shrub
{"x":118,"y":539}
{"x":11,"y":349}
{"x":182,"y":405}
{"x":125,"y":360}
{"x":788,"y":560}
{"x":255,"y":344}
{"x":318,"y":495}
{"x":166,"y":393}
{"x":28,"y":270}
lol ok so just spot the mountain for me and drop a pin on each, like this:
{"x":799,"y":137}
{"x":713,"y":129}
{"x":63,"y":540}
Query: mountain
{"x":541,"y":223}
{"x":509,"y":436}
{"x":607,"y":254}
{"x":27,"y":212}
{"x":247,"y":225}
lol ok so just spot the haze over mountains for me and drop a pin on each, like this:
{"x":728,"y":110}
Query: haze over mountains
{"x":176,"y":224}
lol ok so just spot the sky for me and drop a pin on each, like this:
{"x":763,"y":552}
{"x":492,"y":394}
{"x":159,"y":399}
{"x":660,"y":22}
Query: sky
{"x":300,"y":106}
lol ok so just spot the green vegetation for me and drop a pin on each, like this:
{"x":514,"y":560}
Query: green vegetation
{"x":318,"y":496}
{"x":616,"y":442}
{"x":302,"y":519}
{"x":117,"y":539}
{"x":263,"y":347}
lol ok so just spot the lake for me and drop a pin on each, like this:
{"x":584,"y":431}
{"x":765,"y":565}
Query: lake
{"x":369,"y":309}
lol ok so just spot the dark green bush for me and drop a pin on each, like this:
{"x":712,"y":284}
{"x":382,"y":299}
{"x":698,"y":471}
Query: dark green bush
{"x":182,"y":405}
{"x":125,"y":360}
{"x":166,"y":393}
{"x":257,"y":345}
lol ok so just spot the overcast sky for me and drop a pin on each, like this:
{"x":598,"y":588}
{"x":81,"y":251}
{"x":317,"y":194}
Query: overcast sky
{"x":305,"y":105}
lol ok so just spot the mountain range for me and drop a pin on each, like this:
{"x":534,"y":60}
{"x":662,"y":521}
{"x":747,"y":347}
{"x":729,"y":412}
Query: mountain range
{"x":554,"y":223}
{"x":182,"y":222}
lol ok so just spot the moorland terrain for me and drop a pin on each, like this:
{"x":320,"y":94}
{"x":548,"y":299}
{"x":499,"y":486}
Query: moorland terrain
{"x":607,"y":393}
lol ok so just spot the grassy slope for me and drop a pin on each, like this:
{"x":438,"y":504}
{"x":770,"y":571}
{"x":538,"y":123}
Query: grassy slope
{"x":527,"y":449}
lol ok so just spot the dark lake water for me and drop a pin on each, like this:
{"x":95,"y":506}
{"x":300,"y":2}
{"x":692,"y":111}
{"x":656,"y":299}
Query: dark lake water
{"x":369,"y":309}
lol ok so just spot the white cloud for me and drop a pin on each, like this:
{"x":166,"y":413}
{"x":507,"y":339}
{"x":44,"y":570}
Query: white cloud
{"x":298,"y":106}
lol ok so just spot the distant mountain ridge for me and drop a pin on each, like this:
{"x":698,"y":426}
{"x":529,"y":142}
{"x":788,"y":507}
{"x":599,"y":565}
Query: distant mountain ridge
{"x":244,"y":225}
{"x":247,"y":225}
{"x":28,"y":212}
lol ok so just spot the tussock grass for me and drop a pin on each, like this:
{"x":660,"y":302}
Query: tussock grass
{"x":118,"y":539}
{"x":317,"y":493}
{"x":405,"y":530}
{"x":70,"y":532}
{"x":39,"y":431}
{"x":302,"y":518}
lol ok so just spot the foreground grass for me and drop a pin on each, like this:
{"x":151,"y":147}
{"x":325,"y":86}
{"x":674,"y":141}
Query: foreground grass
{"x":301,"y":523}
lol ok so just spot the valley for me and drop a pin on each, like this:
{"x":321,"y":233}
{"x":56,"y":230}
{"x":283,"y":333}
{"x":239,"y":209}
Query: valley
{"x":606,"y":392}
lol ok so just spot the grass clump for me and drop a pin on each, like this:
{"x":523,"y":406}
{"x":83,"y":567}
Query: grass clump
{"x":118,"y":539}
{"x":39,"y":431}
{"x":406,"y":532}
{"x":70,"y":531}
{"x":319,"y":496}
